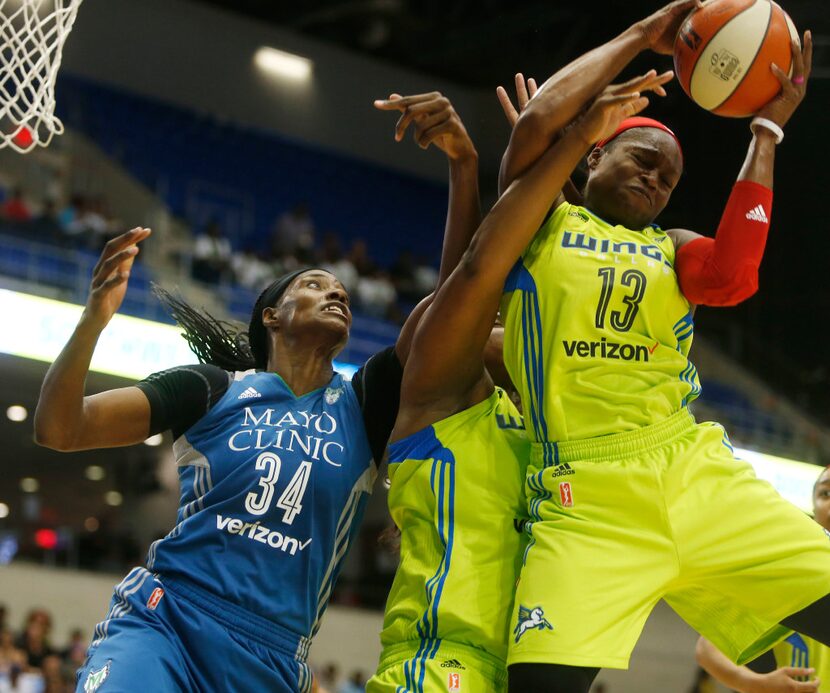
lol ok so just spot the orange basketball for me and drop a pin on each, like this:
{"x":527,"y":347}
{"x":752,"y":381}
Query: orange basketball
{"x":723,"y":53}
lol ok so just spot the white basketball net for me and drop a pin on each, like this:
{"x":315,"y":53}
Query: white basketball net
{"x":32,"y":34}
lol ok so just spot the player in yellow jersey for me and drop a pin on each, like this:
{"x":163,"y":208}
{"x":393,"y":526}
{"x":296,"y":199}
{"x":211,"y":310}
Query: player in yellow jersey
{"x":803,"y":664}
{"x":457,"y":461}
{"x":632,"y":501}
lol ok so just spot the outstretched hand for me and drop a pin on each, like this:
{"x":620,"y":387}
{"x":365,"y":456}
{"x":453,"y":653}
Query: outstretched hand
{"x":109,"y":277}
{"x":660,"y":29}
{"x":785,"y":680}
{"x":434,"y":120}
{"x":524,"y":93}
{"x":618,"y":102}
{"x":793,"y":89}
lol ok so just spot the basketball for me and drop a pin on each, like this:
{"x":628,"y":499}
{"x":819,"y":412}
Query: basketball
{"x":723,"y":53}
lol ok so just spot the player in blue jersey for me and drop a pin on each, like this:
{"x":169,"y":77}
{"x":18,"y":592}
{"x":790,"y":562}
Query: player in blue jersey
{"x":275,"y":451}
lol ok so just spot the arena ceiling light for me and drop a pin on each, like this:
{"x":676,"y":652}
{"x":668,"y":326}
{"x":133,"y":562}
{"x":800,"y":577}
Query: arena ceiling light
{"x":154,"y":441}
{"x":282,"y":64}
{"x":29,"y":484}
{"x":4,"y":510}
{"x":17,"y":413}
{"x":95,"y":472}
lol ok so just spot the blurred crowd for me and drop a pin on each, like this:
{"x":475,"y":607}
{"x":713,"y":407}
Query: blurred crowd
{"x":81,"y":222}
{"x":294,"y":243}
{"x":30,"y":661}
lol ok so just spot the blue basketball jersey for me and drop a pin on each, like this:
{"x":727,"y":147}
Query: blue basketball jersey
{"x":273,"y":487}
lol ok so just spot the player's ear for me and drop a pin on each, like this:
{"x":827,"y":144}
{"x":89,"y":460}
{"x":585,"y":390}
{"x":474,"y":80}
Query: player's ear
{"x":596,"y":155}
{"x":270,"y":317}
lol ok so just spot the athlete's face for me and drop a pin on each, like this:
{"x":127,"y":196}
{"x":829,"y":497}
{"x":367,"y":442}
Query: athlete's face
{"x":315,"y":302}
{"x":821,"y":500}
{"x":631,"y":179}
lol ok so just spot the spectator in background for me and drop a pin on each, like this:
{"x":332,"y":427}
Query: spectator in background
{"x":10,"y":656}
{"x":251,"y":271}
{"x":45,"y":225}
{"x":376,"y":295}
{"x":333,"y":260}
{"x":69,"y":220}
{"x":356,"y":683}
{"x":359,"y":257}
{"x":293,"y":234}
{"x":74,"y":653}
{"x":34,"y":640}
{"x":15,"y":208}
{"x":211,"y":255}
{"x":329,"y":676}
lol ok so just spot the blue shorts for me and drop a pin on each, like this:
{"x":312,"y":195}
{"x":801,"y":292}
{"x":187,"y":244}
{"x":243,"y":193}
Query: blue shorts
{"x":168,"y":635}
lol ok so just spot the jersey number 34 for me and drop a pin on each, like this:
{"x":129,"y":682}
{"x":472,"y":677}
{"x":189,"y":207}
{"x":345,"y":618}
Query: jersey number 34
{"x":258,"y":502}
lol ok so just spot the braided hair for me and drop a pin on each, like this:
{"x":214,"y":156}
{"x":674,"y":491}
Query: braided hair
{"x":228,"y":345}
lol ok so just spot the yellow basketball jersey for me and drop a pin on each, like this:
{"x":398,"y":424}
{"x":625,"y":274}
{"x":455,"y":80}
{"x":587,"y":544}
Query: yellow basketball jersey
{"x":800,"y":651}
{"x":597,"y":330}
{"x":457,"y":490}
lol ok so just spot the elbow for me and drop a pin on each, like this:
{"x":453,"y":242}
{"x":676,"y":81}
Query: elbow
{"x":53,"y":437}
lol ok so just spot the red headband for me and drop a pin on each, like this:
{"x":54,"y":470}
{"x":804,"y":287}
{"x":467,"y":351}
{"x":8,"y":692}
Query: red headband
{"x":640,"y":122}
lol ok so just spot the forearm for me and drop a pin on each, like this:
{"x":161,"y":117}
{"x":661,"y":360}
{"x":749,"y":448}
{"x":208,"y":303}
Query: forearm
{"x":463,"y":212}
{"x":760,"y":159}
{"x":724,"y":271}
{"x":736,"y":677}
{"x":562,"y":97}
{"x":515,"y":218}
{"x":60,"y":408}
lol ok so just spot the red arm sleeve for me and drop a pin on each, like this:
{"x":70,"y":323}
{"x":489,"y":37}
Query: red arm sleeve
{"x":723,"y":271}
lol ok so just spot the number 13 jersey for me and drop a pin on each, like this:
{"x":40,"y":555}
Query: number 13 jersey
{"x":597,"y":332}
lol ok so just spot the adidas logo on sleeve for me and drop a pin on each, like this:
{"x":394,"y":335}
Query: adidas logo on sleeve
{"x":249,"y":393}
{"x":757,"y":214}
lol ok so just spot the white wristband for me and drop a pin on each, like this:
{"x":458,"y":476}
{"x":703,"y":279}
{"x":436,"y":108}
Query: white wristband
{"x":774,"y":128}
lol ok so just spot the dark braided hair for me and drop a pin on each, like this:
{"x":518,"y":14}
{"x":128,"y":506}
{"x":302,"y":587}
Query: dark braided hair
{"x":228,"y":345}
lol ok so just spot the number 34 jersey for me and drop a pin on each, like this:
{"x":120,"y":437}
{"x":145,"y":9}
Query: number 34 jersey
{"x":272,"y":489}
{"x":597,"y":330}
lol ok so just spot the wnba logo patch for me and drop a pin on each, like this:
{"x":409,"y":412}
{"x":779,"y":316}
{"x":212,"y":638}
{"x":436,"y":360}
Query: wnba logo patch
{"x":566,"y":495}
{"x":155,"y":598}
{"x":454,"y":681}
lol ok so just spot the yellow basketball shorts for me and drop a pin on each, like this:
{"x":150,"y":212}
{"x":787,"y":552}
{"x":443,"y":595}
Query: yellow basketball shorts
{"x":664,"y":512}
{"x":418,"y":667}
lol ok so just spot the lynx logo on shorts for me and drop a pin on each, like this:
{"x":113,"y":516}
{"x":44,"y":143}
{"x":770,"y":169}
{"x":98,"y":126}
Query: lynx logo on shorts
{"x":566,"y":494}
{"x":96,"y":678}
{"x":531,"y":619}
{"x":155,"y":598}
{"x":454,"y":681}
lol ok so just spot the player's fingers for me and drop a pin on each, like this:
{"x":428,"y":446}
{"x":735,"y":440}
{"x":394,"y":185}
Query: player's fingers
{"x":111,"y":264}
{"x":403,"y":102}
{"x":806,"y":687}
{"x":440,"y":130}
{"x":117,"y":244}
{"x":521,"y":90}
{"x":798,"y":672}
{"x":785,"y":80}
{"x":113,"y":281}
{"x":807,"y":54}
{"x":419,"y":111}
{"x":637,"y":105}
{"x":798,"y":59}
{"x":510,"y":112}
{"x":532,"y":87}
{"x":633,"y":83}
{"x":427,"y":130}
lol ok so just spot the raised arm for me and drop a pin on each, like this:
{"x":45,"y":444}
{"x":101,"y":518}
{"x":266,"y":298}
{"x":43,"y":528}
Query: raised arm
{"x":435,"y":121}
{"x":67,"y":420}
{"x":723,"y":271}
{"x":564,"y":95}
{"x":446,"y":365}
{"x":744,"y":680}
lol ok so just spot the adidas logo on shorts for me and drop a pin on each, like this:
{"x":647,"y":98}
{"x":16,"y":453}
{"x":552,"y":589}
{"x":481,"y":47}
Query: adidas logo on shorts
{"x":250,"y":393}
{"x":452,"y":664}
{"x":757,"y":214}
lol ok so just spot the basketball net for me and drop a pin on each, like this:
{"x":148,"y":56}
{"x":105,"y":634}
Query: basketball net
{"x":32,"y":34}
